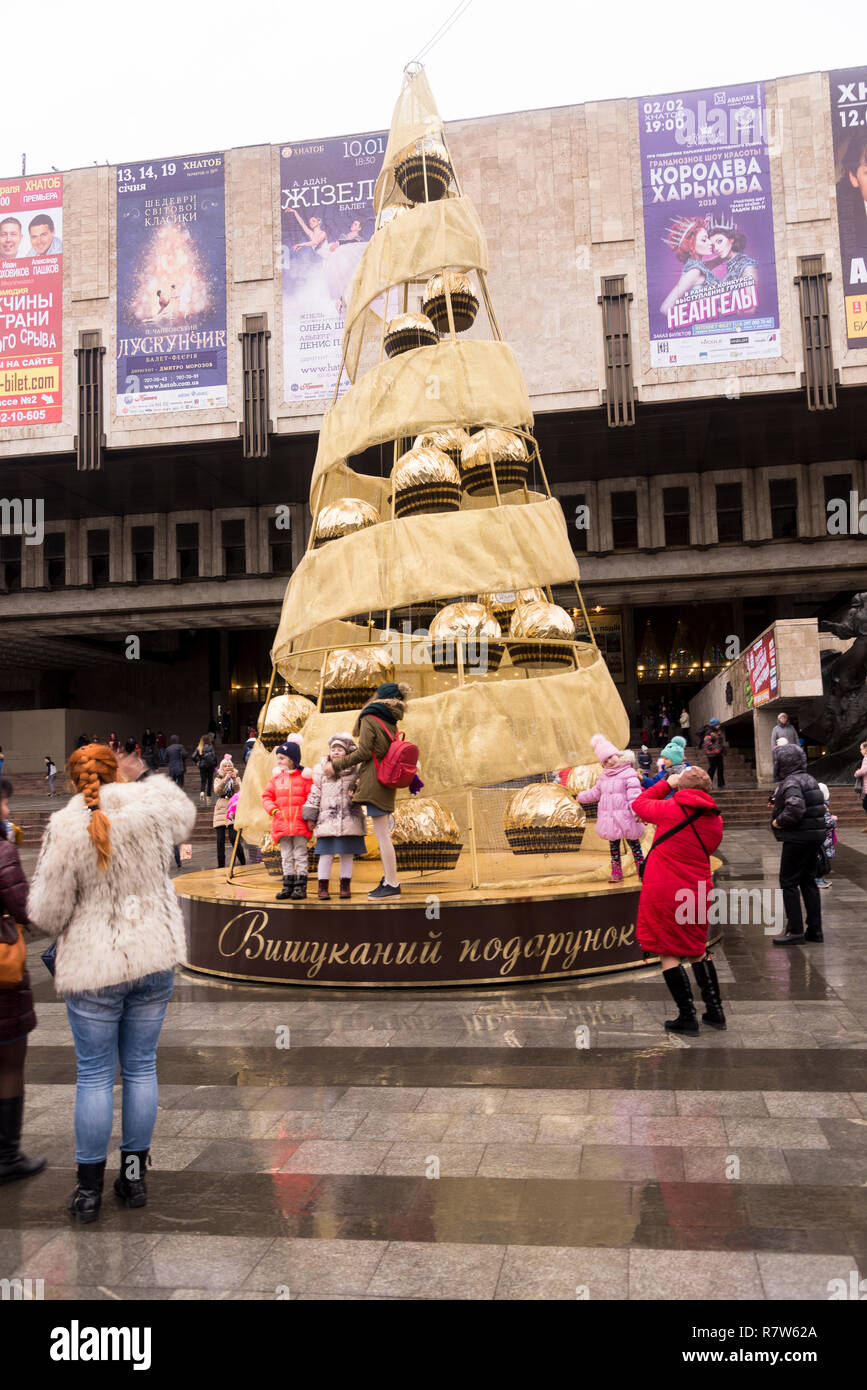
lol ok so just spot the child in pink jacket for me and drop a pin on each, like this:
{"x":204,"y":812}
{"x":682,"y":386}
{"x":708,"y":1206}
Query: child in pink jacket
{"x":615,"y":791}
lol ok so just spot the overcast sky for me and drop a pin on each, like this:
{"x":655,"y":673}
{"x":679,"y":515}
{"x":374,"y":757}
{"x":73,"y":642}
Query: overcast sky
{"x":113,"y":81}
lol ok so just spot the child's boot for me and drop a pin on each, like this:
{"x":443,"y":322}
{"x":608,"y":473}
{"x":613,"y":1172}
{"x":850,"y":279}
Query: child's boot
{"x":616,"y":872}
{"x":323,"y":894}
{"x":345,"y":891}
{"x":288,"y":890}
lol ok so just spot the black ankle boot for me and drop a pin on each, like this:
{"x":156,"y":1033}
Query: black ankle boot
{"x":130,"y":1186}
{"x":288,"y":890}
{"x":300,"y":889}
{"x":13,"y":1163}
{"x":86,"y":1200}
{"x":708,"y":984}
{"x":677,"y":981}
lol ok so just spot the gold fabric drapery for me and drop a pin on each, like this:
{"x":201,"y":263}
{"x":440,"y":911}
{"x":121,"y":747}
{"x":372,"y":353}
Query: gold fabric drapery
{"x":437,"y":555}
{"x":449,"y":383}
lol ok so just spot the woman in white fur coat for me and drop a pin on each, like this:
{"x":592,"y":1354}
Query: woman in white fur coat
{"x":102,"y":887}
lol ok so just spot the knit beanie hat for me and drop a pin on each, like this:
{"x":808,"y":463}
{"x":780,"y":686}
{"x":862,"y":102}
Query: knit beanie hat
{"x":714,"y":723}
{"x":694,"y":779}
{"x":226,"y":760}
{"x":391,"y":691}
{"x":603,"y":748}
{"x":291,"y":751}
{"x":346,"y":741}
{"x":675,"y":750}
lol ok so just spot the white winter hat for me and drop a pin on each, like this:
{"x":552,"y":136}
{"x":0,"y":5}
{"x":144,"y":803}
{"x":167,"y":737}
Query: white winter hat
{"x":345,"y":740}
{"x":824,"y":790}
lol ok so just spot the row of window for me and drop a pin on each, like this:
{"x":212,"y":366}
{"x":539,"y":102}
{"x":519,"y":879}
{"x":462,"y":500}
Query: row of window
{"x":729,"y":512}
{"x":142,"y":545}
{"x":624,"y":529}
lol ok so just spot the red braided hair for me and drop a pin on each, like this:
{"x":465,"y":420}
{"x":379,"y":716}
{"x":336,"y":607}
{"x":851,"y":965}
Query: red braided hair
{"x":90,"y":767}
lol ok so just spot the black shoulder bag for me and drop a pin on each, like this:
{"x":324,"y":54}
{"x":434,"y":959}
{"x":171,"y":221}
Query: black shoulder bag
{"x":689,"y":819}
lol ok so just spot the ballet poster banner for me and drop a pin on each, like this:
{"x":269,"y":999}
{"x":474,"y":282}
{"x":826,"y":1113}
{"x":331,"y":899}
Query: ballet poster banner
{"x":708,"y":227}
{"x":31,"y":300}
{"x":849,"y":126}
{"x":327,"y":218}
{"x":171,"y":285}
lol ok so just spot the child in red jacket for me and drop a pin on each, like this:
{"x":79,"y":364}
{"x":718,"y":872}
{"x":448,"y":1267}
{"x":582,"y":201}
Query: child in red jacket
{"x":283,"y":799}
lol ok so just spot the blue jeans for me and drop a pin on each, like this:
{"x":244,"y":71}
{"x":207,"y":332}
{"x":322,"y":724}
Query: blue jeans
{"x":123,"y":1020}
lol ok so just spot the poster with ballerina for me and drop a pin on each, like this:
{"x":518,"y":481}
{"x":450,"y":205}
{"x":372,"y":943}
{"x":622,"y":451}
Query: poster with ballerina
{"x":171,"y":285}
{"x":326,"y":220}
{"x":708,"y":227}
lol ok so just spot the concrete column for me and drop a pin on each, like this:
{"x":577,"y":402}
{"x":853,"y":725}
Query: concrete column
{"x":161,"y":542}
{"x":645,"y":513}
{"x":655,"y":530}
{"x":763,"y":722}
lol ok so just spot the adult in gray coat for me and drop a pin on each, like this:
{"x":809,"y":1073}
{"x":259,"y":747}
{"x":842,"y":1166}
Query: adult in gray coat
{"x":783,"y":729}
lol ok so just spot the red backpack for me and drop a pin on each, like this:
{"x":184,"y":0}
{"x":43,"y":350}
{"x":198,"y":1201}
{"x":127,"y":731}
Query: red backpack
{"x":400,"y":765}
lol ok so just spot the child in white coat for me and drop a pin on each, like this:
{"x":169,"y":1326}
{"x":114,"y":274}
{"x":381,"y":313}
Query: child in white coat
{"x":339,"y":824}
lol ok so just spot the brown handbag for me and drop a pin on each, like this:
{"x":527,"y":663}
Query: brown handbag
{"x":13,"y":952}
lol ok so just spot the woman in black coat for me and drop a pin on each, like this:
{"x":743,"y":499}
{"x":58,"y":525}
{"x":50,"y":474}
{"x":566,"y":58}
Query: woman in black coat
{"x":17,"y":1018}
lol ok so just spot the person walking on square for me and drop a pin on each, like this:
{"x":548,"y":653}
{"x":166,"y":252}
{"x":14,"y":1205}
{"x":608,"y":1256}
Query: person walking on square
{"x":861,"y":781}
{"x":672,"y":909}
{"x":102,"y":888}
{"x":206,"y":758}
{"x":713,"y":745}
{"x":17,"y":1017}
{"x":176,"y":760}
{"x":50,"y":774}
{"x":783,"y":729}
{"x":339,"y":823}
{"x":799,"y":823}
{"x":283,"y":799}
{"x":616,"y":792}
{"x":684,"y":725}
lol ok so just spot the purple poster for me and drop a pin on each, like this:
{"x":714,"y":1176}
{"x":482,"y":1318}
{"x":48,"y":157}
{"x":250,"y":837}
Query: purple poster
{"x":849,"y":127}
{"x":708,"y":227}
{"x":171,"y":285}
{"x":326,"y":220}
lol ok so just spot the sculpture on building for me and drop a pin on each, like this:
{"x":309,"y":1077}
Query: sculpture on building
{"x":844,"y":681}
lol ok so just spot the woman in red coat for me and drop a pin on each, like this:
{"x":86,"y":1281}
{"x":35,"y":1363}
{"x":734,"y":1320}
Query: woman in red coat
{"x":673,"y":908}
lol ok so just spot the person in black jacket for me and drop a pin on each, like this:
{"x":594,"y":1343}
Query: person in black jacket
{"x":799,"y":822}
{"x":17,"y":1018}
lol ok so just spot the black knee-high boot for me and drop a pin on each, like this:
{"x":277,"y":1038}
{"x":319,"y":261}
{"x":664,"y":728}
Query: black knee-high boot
{"x":706,"y":979}
{"x":13,"y":1163}
{"x":677,"y":981}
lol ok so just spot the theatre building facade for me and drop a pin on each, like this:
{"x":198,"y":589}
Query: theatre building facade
{"x":679,"y":276}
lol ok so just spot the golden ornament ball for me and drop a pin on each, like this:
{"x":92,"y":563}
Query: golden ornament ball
{"x":425,"y":835}
{"x":352,"y":675}
{"x":506,"y":451}
{"x":465,"y":305}
{"x":503,"y":603}
{"x":425,"y":480}
{"x":544,"y":819}
{"x":581,"y":779}
{"x":408,"y":331}
{"x":286,"y":714}
{"x":342,"y":518}
{"x":470,"y":628}
{"x":423,"y":170}
{"x":449,"y":441}
{"x":541,"y":620}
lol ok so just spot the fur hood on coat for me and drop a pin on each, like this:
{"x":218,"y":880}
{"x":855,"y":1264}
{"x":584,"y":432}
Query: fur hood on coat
{"x":125,"y":923}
